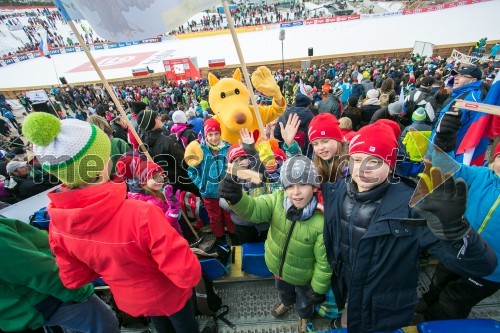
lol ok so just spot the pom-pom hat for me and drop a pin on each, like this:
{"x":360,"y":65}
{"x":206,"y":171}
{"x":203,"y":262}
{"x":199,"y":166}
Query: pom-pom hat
{"x":74,"y":151}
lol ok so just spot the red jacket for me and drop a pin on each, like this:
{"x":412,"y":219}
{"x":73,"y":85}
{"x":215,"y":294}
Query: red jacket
{"x":96,"y":232}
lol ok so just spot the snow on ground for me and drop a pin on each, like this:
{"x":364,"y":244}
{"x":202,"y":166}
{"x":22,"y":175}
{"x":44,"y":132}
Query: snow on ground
{"x":439,"y":27}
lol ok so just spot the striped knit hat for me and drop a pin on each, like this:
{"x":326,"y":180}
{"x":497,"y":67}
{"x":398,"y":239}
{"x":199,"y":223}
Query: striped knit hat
{"x":74,"y":151}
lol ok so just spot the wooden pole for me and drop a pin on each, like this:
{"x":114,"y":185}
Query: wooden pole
{"x":478,"y":107}
{"x":109,"y":90}
{"x":120,"y":107}
{"x":243,"y":66}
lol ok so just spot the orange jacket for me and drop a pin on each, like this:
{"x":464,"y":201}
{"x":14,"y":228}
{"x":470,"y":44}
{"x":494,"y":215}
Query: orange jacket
{"x":96,"y":231}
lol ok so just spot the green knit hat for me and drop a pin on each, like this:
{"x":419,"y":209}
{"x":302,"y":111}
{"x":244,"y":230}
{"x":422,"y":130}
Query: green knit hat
{"x":74,"y":151}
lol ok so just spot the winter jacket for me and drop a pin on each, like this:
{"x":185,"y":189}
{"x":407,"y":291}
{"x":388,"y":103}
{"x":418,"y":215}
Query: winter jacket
{"x":207,"y":175}
{"x":330,"y":105}
{"x":367,"y":85}
{"x":118,"y":131}
{"x":353,"y":113}
{"x":383,"y":269}
{"x":305,"y":116}
{"x":357,"y":90}
{"x":197,"y":124}
{"x":167,"y":153}
{"x":294,"y":251}
{"x":95,"y":231}
{"x":367,"y":112}
{"x":483,"y":203}
{"x":141,"y":195}
{"x":472,"y":92}
{"x":183,"y":134}
{"x":383,"y":113}
{"x":29,"y":276}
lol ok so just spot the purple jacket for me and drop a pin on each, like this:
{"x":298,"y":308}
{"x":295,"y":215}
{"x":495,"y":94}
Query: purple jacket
{"x":172,"y":218}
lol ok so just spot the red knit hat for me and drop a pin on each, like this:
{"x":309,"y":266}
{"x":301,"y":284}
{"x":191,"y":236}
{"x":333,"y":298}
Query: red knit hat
{"x":234,"y":152}
{"x":324,"y":126}
{"x":145,"y":170}
{"x":378,"y":140}
{"x":211,"y":125}
{"x":392,"y":124}
{"x":497,"y":151}
{"x":279,"y":155}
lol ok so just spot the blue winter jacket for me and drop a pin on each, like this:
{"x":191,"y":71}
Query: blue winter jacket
{"x":207,"y":175}
{"x":483,"y":203}
{"x":382,"y":291}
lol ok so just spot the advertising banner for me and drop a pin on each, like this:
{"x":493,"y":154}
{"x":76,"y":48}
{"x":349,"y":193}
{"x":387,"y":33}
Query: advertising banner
{"x":181,"y":69}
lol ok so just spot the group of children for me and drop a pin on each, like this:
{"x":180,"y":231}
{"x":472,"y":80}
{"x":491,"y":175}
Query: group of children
{"x":339,"y":221}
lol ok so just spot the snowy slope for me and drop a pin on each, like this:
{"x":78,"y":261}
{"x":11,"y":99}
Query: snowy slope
{"x":439,"y":27}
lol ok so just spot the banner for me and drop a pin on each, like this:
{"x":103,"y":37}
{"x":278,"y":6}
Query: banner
{"x":440,"y":7}
{"x":291,"y":24}
{"x":181,"y":69}
{"x":37,"y":96}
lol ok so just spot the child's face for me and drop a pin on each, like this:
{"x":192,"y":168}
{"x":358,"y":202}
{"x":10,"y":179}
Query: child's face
{"x":368,"y":171}
{"x":213,"y":138}
{"x":156,"y":182}
{"x":300,"y":194}
{"x":242,"y":162}
{"x":325,"y":148}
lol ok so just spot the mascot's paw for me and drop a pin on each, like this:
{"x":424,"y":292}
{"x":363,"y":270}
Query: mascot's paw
{"x":193,"y":154}
{"x":263,"y":81}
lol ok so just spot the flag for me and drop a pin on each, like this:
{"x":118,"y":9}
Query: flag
{"x":473,"y":146}
{"x":124,"y":20}
{"x":43,"y":47}
{"x":302,"y":88}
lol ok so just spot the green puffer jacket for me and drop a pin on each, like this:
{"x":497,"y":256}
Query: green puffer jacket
{"x":29,"y":275}
{"x":303,"y":259}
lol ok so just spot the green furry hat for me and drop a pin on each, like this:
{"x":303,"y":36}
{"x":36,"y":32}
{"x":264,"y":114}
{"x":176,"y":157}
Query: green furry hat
{"x":74,"y":151}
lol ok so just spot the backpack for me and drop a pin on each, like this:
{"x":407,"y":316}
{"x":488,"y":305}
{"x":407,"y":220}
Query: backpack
{"x":40,"y":219}
{"x":411,"y":105}
{"x":384,"y":98}
{"x":206,"y":302}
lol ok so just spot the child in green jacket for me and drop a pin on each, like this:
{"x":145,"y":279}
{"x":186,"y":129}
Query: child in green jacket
{"x":294,"y":249}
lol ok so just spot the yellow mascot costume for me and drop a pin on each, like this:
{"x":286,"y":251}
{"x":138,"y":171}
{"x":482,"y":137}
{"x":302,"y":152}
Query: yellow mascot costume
{"x":229,"y":99}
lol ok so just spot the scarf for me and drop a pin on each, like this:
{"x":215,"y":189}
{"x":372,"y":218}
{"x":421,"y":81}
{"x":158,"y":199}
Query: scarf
{"x":295,"y":214}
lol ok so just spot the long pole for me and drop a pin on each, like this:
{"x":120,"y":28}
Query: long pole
{"x":230,"y":23}
{"x":282,"y":59}
{"x":55,"y":69}
{"x":120,"y":108}
{"x":109,"y":90}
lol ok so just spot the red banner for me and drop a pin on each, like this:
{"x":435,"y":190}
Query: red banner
{"x":332,"y":19}
{"x":181,"y":69}
{"x":440,"y":7}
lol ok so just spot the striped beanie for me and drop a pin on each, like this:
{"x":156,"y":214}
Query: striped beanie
{"x":74,"y":151}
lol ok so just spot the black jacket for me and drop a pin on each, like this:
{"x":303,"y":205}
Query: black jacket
{"x":379,"y":276}
{"x":305,"y":116}
{"x":119,"y":132}
{"x":367,"y":112}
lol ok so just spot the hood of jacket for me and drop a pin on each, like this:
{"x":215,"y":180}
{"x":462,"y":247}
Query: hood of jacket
{"x":85,"y":210}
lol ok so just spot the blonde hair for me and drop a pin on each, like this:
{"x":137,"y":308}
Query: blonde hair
{"x":101,"y":123}
{"x":157,"y":194}
{"x":331,"y":172}
{"x":345,"y":123}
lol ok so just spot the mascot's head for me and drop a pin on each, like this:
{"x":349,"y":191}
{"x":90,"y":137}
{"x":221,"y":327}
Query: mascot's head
{"x":229,"y":99}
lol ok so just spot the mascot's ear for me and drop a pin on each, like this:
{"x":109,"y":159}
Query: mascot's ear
{"x":212,"y":80}
{"x":237,"y":74}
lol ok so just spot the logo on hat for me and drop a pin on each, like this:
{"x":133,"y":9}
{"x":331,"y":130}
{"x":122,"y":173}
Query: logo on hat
{"x":372,"y":149}
{"x":323,"y":132}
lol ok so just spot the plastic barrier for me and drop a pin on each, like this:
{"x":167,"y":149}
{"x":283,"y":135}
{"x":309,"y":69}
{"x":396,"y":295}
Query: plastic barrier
{"x":460,"y":326}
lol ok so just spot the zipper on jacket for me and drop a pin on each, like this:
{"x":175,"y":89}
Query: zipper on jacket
{"x":288,"y":236}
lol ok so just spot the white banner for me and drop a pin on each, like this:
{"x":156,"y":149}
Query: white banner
{"x":37,"y":96}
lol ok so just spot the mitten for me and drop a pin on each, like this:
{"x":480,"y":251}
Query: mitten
{"x":263,"y":81}
{"x":444,"y":207}
{"x":230,"y":189}
{"x":193,"y":154}
{"x":446,"y":131}
{"x":173,"y":201}
{"x":315,"y":298}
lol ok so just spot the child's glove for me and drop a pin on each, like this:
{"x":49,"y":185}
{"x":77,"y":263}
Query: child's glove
{"x":263,"y":81}
{"x":315,"y":298}
{"x":230,"y":190}
{"x":193,"y":154}
{"x":444,"y":207}
{"x":173,"y":201}
{"x":446,"y":131}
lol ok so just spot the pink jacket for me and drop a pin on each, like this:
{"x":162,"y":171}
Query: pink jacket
{"x":96,"y":231}
{"x":171,"y":218}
